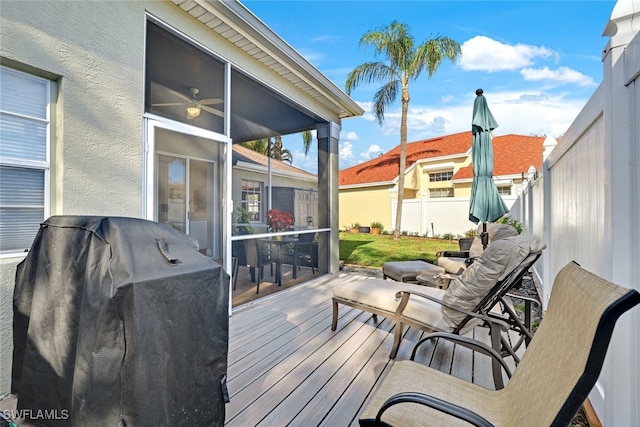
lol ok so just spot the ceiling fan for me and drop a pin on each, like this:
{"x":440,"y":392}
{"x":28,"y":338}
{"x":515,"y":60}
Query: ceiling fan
{"x":193,"y":105}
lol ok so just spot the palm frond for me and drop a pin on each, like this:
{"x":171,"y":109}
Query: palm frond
{"x":432,"y":52}
{"x":384,"y":96}
{"x":369,"y":72}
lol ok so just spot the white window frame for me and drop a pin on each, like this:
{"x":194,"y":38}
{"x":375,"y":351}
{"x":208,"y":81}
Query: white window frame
{"x":45,"y":165}
{"x":433,"y":191}
{"x":259,"y":192}
{"x":504,"y":190}
{"x":442,"y":176}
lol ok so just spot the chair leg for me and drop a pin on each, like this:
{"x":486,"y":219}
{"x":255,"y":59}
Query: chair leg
{"x":396,"y":341}
{"x":496,"y":343}
{"x":235,"y":267}
{"x":334,"y":320}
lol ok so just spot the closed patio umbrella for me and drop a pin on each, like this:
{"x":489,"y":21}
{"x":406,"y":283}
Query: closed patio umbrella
{"x":486,"y":205}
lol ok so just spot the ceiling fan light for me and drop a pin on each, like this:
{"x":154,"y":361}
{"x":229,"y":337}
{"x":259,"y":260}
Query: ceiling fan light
{"x":193,"y":110}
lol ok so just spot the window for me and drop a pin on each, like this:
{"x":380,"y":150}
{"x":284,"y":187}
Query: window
{"x":440,"y":192}
{"x":251,"y":194}
{"x":440,"y":176}
{"x":24,"y":158}
{"x":504,"y":190}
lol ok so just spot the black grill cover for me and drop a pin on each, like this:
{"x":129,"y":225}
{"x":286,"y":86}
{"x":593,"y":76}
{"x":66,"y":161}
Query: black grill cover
{"x":119,"y":321}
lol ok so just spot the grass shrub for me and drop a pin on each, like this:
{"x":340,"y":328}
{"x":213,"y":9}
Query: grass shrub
{"x":370,"y":250}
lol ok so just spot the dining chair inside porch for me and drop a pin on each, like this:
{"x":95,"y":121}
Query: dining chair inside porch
{"x":250,"y":253}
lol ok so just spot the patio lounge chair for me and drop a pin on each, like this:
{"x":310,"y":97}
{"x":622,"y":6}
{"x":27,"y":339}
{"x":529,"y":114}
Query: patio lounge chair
{"x":449,"y":262}
{"x":557,"y":371}
{"x":478,"y":296}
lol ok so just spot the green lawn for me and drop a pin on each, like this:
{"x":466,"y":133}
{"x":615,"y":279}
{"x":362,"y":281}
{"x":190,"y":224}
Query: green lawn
{"x":372,"y":250}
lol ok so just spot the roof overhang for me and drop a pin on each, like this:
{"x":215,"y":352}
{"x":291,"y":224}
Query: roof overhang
{"x":241,"y":165}
{"x":368,"y":184}
{"x":234,"y":22}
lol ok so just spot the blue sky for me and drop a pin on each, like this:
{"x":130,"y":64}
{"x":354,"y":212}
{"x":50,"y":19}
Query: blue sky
{"x":537,"y":61}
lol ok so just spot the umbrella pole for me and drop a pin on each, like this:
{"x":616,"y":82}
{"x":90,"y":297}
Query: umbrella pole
{"x":484,"y":236}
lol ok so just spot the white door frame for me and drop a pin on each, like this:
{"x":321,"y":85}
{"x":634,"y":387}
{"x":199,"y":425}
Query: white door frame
{"x":153,"y":122}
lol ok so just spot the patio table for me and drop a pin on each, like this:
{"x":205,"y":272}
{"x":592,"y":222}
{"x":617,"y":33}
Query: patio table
{"x":276,"y":247}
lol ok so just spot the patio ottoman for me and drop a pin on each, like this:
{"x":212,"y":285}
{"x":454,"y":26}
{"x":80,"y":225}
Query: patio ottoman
{"x":408,"y":271}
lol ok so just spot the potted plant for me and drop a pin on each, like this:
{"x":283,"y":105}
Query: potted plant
{"x":466,"y":241}
{"x":364,"y":229}
{"x":376,"y":227}
{"x":355,"y":227}
{"x":278,"y":220}
{"x":244,"y":216}
{"x":512,"y":222}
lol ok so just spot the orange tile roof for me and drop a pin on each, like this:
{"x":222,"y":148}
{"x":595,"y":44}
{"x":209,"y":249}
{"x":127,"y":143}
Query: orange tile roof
{"x":513,"y":154}
{"x":385,"y":167}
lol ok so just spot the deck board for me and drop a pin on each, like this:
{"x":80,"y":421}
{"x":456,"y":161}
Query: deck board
{"x":287,"y":368}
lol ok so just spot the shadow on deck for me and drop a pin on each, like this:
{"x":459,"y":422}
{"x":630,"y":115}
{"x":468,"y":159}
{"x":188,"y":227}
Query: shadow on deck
{"x":286,"y":366}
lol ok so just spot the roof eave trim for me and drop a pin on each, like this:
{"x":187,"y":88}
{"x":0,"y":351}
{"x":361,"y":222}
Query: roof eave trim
{"x":366,"y":184}
{"x":263,"y":36}
{"x":252,"y":167}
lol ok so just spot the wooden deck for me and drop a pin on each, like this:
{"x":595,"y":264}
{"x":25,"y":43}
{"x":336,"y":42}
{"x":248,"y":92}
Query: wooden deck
{"x":287,"y":368}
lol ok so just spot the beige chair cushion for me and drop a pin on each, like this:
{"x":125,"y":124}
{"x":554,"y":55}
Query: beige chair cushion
{"x":381,"y":294}
{"x":498,"y":260}
{"x":452,"y":265}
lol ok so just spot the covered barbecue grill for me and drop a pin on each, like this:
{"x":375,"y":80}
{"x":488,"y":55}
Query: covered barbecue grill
{"x":120,"y":321}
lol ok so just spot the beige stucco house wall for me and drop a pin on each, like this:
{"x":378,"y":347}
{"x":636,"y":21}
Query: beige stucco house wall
{"x":352,"y":201}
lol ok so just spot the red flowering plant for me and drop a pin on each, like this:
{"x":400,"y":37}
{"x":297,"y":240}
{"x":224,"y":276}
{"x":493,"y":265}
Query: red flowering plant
{"x":278,"y":220}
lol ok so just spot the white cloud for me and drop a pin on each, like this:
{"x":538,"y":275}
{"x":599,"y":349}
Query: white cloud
{"x":532,"y":112}
{"x":447,"y":98}
{"x":374,"y":150}
{"x":325,"y":38}
{"x":313,"y":56}
{"x":481,"y":53}
{"x":349,"y":136}
{"x":562,"y":75}
{"x":346,"y":152}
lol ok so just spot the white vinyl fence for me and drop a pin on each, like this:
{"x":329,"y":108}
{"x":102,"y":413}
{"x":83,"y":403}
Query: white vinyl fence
{"x":437,"y":217}
{"x":585,"y":205}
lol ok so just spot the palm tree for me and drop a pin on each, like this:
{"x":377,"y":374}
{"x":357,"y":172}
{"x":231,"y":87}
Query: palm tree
{"x":306,"y":141}
{"x":405,"y":63}
{"x":264,"y":147}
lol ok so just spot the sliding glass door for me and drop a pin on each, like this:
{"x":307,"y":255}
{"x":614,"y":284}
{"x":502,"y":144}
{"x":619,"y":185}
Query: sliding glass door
{"x":184,"y":199}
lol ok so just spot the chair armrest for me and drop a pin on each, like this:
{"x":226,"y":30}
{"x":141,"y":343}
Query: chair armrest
{"x":474,"y":345}
{"x":453,"y":254}
{"x":435,"y":403}
{"x":522,"y":297}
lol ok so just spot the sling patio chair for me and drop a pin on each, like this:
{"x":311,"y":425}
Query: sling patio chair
{"x":558,"y":370}
{"x":478,"y":296}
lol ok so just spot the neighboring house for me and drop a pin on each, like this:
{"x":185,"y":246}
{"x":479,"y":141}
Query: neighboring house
{"x":293,"y":190}
{"x":131,"y":109}
{"x":437,"y":182}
